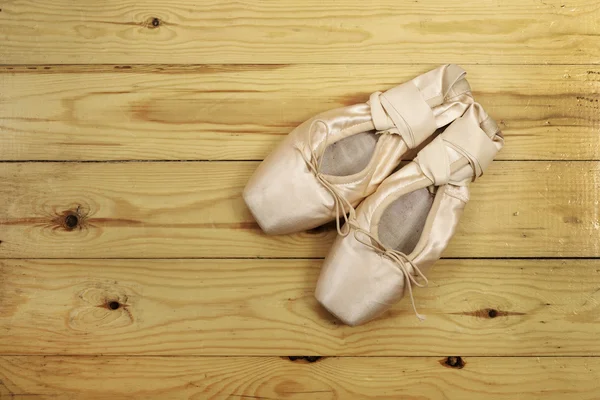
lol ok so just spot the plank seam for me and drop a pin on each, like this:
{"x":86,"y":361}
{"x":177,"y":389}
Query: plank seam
{"x":287,"y":64}
{"x":272,"y":356}
{"x":283,"y":258}
{"x":232,"y":160}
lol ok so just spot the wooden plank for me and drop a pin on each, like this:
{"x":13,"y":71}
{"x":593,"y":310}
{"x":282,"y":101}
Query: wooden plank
{"x":278,"y":378}
{"x":266,"y":307}
{"x":184,"y":31}
{"x":195,"y":209}
{"x":242,"y":112}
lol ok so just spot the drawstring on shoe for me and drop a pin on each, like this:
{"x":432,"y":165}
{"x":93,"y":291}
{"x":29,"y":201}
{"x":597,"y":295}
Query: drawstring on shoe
{"x":400,"y":259}
{"x":342,"y":206}
{"x":347,"y":211}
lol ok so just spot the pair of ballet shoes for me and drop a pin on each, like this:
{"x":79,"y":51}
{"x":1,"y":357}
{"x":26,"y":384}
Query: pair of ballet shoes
{"x":346,"y":157}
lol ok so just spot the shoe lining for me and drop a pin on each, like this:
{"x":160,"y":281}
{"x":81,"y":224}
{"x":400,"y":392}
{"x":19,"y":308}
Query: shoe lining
{"x":403,"y":221}
{"x":349,"y":155}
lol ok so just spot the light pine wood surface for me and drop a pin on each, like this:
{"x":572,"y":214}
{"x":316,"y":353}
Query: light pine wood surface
{"x":309,"y":32}
{"x":195,"y":209}
{"x":554,"y":378}
{"x":130,"y":267}
{"x":240,"y":112}
{"x":266,"y":307}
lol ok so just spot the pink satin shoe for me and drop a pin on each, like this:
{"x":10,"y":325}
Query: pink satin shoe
{"x":403,"y":228}
{"x":331,"y":162}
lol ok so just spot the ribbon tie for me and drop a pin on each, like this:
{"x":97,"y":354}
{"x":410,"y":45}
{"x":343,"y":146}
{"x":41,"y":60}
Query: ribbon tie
{"x":403,"y":111}
{"x":467,"y":139}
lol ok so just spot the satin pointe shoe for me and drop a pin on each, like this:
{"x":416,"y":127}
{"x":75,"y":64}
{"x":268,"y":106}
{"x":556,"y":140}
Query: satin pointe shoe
{"x":331,"y":162}
{"x":403,"y":228}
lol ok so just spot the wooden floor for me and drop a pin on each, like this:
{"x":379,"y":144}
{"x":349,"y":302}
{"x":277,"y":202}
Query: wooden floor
{"x":130,"y":267}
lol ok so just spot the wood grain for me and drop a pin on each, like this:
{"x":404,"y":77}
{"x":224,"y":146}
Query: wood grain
{"x":279,"y":378}
{"x":266,"y":307}
{"x":242,"y":112}
{"x":195,"y":209}
{"x":131,"y":268}
{"x":253,"y":32}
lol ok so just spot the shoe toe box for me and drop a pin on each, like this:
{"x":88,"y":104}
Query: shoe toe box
{"x":358,"y":284}
{"x":284,"y":196}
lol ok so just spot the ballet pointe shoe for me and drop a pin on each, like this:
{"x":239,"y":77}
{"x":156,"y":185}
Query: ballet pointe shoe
{"x":399,"y":231}
{"x":331,"y":162}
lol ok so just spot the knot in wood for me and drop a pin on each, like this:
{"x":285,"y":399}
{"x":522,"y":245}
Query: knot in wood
{"x":71,"y":221}
{"x":454,"y":362}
